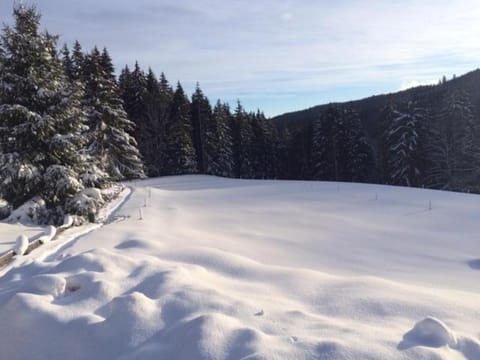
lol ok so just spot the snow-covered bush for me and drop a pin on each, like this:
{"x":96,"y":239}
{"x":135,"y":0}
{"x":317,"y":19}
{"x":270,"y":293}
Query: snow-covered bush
{"x":60,"y":183}
{"x":86,"y":203}
{"x":33,"y":211}
{"x":5,"y":209}
{"x":93,"y":177}
{"x":18,"y":178}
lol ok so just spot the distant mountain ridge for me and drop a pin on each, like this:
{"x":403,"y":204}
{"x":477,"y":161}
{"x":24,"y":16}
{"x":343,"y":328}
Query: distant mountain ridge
{"x":369,"y":108}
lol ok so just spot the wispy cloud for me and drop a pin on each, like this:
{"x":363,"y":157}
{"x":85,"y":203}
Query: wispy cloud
{"x":322,"y":50}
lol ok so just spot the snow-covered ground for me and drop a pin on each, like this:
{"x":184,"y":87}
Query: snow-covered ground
{"x":236,"y":269}
{"x":9,"y":233}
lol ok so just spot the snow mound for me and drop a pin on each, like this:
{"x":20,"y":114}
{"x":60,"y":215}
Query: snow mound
{"x":68,"y":221}
{"x":21,"y":245}
{"x":429,"y":332}
{"x":48,"y":234}
{"x":47,"y":284}
{"x":31,"y":212}
{"x":433,"y":333}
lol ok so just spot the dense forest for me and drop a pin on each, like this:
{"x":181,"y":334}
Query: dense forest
{"x":69,"y":126}
{"x":426,"y":136}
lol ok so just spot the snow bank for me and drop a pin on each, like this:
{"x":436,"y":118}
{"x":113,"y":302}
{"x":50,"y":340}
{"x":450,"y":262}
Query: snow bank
{"x":48,"y":234}
{"x":429,"y":332}
{"x":235,"y":269}
{"x":21,"y":245}
{"x":29,"y":213}
{"x":67,"y":222}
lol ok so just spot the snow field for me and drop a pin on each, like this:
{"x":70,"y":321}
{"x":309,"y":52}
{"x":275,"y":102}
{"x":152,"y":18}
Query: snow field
{"x":10,"y":232}
{"x":235,"y":269}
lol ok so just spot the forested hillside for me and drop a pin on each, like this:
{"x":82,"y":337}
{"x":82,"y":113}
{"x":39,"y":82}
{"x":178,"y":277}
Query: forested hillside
{"x":426,"y":136}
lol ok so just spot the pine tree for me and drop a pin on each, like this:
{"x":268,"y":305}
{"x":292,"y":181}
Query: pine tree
{"x":164,"y":103}
{"x":403,"y":139}
{"x":218,"y":142}
{"x":41,"y":121}
{"x":340,"y":151}
{"x":110,"y":141}
{"x":77,"y":62}
{"x":454,"y":145}
{"x":385,"y":123}
{"x":179,"y":150}
{"x":201,"y":113}
{"x":359,"y":154}
{"x":325,"y":152}
{"x":67,"y":62}
{"x":263,"y":149}
{"x":242,"y":143}
{"x":107,"y":65}
{"x":283,"y":153}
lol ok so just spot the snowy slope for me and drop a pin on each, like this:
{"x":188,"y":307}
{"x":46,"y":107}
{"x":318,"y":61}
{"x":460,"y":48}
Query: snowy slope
{"x":237,"y":269}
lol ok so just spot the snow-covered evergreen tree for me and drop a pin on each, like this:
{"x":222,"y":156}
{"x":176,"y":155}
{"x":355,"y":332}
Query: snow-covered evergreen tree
{"x":358,"y":152}
{"x":67,"y":61}
{"x":218,"y":142}
{"x":77,"y":59}
{"x":242,"y":143}
{"x":264,"y":142}
{"x":403,"y":138}
{"x":201,"y":113}
{"x":180,"y":153}
{"x":340,"y":151}
{"x":325,"y":151}
{"x":454,"y":146}
{"x":109,"y":139}
{"x":41,"y":120}
{"x":386,"y":117}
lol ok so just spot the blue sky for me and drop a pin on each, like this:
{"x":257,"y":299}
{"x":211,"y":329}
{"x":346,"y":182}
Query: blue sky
{"x":278,"y":55}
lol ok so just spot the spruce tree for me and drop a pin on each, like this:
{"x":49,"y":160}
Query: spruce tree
{"x":325,"y":151}
{"x":164,"y":103}
{"x":179,"y":150}
{"x":77,"y":62}
{"x":403,"y":139}
{"x":359,"y":161}
{"x":454,"y":145}
{"x":340,"y":151}
{"x":218,"y":142}
{"x":67,"y":62}
{"x":201,"y":113}
{"x":110,"y":141}
{"x":386,"y":118}
{"x":41,"y":120}
{"x":263,"y":147}
{"x":242,"y":143}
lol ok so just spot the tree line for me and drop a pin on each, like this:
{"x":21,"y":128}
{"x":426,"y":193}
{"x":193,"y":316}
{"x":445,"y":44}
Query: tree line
{"x":181,"y":135}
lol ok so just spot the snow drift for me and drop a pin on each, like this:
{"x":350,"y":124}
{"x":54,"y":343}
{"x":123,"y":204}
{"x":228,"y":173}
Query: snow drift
{"x":235,"y":269}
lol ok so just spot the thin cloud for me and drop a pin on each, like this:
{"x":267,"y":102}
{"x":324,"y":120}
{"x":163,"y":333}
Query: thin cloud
{"x":309,"y":47}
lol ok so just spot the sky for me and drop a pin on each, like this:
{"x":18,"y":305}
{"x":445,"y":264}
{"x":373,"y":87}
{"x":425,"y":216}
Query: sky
{"x":277,"y":55}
